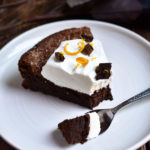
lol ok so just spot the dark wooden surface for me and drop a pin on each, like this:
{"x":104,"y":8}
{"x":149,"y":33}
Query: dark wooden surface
{"x":17,"y":16}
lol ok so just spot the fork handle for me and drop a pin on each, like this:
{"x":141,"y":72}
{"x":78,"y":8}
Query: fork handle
{"x":132,"y":99}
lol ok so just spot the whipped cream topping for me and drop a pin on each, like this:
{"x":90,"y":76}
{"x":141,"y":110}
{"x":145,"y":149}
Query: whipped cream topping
{"x":81,"y":79}
{"x":94,"y":125}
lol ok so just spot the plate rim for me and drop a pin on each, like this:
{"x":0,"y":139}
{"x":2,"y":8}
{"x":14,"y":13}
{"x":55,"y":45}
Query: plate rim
{"x":111,"y":25}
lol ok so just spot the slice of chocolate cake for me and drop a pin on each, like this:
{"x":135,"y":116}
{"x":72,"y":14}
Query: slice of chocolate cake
{"x":81,"y":129}
{"x":69,"y":64}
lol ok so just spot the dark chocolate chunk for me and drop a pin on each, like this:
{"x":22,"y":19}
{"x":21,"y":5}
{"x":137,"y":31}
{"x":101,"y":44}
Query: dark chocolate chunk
{"x":87,"y":38}
{"x":59,"y":57}
{"x":87,"y":49}
{"x":103,"y":71}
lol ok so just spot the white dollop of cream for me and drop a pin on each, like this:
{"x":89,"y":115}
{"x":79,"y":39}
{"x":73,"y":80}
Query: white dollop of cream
{"x":94,"y":125}
{"x":81,"y":79}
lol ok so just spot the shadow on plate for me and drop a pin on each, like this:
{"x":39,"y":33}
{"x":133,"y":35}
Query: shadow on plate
{"x":59,"y":139}
{"x":15,"y":81}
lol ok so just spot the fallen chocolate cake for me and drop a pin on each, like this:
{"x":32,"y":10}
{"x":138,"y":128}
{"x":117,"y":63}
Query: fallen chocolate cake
{"x":69,"y":64}
{"x":81,"y":129}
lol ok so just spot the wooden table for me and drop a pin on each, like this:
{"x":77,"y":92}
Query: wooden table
{"x":13,"y":14}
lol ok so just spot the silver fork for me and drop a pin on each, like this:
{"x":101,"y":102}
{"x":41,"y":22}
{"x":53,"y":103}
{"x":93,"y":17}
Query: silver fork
{"x":107,"y":115}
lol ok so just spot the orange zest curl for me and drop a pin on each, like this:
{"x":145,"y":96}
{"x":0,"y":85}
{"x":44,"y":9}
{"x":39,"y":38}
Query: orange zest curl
{"x":83,"y":61}
{"x":93,"y":58}
{"x":106,"y":70}
{"x":82,"y":39}
{"x":62,"y":53}
{"x":77,"y":65}
{"x":91,"y":44}
{"x":95,"y":87}
{"x":82,"y":45}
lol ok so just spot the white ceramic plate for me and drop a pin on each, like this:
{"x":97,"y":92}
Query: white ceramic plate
{"x":28,"y":120}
